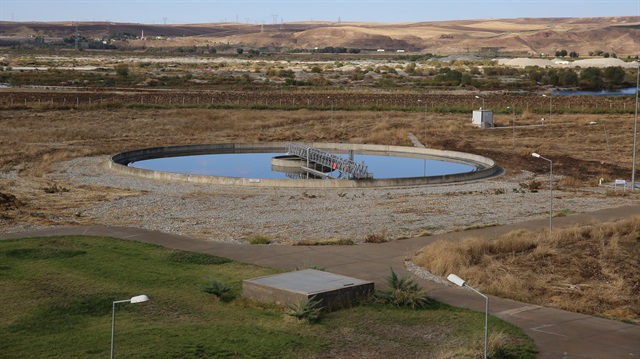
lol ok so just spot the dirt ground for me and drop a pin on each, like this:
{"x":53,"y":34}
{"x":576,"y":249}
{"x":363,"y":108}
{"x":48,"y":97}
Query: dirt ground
{"x":36,"y":142}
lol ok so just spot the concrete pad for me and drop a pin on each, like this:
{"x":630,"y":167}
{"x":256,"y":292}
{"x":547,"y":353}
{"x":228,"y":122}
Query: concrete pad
{"x":297,"y":287}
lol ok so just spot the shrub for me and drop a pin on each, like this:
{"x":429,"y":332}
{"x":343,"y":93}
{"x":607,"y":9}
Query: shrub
{"x":375,"y":238}
{"x":259,"y":240}
{"x":403,"y":292}
{"x":218,"y":289}
{"x":122,"y":70}
{"x":533,"y":186}
{"x":309,"y":310}
{"x":55,"y":188}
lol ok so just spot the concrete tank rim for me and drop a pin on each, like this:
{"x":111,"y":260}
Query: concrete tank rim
{"x":485,"y":168}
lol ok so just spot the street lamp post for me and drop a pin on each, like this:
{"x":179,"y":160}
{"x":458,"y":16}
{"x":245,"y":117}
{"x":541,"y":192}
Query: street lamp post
{"x":331,"y":120}
{"x":550,"y":189}
{"x":635,"y":134}
{"x":425,"y":135}
{"x":461,"y":283}
{"x":513,"y":125}
{"x":425,"y":119}
{"x":549,"y":105}
{"x":481,"y":98}
{"x":136,"y":299}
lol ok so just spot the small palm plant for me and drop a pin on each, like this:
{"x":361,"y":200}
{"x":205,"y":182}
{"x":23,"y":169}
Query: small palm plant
{"x":309,"y":310}
{"x":218,"y":289}
{"x":403,"y":292}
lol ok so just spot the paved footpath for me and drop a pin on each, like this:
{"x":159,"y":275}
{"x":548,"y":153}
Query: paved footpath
{"x":557,"y":333}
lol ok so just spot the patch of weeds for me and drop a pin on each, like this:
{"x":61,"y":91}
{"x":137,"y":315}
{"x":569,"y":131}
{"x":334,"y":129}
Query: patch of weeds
{"x":310,"y":310}
{"x":55,"y":188}
{"x":316,"y":267}
{"x":499,"y":191}
{"x":328,"y":242}
{"x":219,"y":289}
{"x":43,"y":253}
{"x":532,"y":186}
{"x":610,"y":193}
{"x":306,"y":195}
{"x":342,"y":194}
{"x":258,"y":239}
{"x":477,"y":226}
{"x":563,"y":213}
{"x":9,"y":201}
{"x":196,"y":258}
{"x":402,"y":292}
{"x":376,"y":238}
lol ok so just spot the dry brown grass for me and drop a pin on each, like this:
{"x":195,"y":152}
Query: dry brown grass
{"x":32,"y":141}
{"x":593,"y":269}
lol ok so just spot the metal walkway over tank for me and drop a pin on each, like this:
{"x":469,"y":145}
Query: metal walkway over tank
{"x":347,"y":167}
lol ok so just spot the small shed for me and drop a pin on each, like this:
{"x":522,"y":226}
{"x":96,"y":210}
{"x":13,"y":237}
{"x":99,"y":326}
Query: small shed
{"x":482,"y":118}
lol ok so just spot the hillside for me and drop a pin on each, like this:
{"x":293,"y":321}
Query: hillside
{"x":532,"y":36}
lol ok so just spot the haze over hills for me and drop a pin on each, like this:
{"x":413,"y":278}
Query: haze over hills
{"x":533,"y":36}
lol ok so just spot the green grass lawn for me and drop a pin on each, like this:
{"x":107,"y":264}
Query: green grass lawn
{"x":57,"y":294}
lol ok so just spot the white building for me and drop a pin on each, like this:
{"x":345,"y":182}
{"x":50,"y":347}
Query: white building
{"x":482,"y":118}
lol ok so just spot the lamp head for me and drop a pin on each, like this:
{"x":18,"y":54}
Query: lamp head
{"x":456,"y":280}
{"x":535,"y":155}
{"x":139,"y":299}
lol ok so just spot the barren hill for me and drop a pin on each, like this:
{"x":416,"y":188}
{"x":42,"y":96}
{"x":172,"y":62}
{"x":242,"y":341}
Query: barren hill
{"x":524,"y":35}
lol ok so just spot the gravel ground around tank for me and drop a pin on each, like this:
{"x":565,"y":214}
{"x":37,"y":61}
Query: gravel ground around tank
{"x":289,"y":215}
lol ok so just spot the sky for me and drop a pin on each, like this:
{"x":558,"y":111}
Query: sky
{"x":283,"y":11}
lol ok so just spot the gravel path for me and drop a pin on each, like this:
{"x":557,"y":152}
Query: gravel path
{"x":288,"y":215}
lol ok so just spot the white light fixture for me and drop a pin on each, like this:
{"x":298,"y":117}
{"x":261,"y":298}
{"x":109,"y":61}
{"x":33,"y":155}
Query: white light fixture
{"x":456,"y":280}
{"x":461,"y":283}
{"x":139,"y":299}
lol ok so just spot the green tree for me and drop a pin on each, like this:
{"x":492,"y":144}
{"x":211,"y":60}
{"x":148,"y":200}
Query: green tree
{"x":591,"y":79}
{"x":240,"y":51}
{"x":561,"y":53}
{"x":567,"y":78}
{"x":614,"y":75}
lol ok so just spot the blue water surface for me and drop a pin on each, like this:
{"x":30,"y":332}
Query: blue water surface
{"x":621,"y":92}
{"x":258,"y":165}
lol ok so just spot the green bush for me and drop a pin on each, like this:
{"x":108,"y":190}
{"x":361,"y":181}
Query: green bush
{"x":309,"y":310}
{"x":218,"y":289}
{"x":403,"y":292}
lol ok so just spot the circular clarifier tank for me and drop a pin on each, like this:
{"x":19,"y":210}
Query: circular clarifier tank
{"x":269,"y":164}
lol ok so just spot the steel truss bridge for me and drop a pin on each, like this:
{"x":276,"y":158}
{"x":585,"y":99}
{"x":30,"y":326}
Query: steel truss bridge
{"x":348,"y":168}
